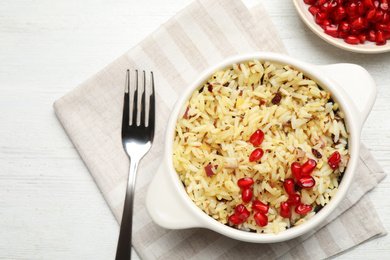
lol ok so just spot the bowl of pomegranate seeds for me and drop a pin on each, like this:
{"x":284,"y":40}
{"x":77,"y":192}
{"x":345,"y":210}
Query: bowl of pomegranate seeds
{"x":356,"y":25}
{"x":261,"y":147}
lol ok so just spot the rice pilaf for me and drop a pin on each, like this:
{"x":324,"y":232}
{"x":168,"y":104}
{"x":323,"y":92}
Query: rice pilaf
{"x":300,"y":122}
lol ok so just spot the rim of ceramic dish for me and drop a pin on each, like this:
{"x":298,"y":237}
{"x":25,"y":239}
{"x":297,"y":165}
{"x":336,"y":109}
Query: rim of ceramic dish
{"x":368,"y":47}
{"x":347,"y":107}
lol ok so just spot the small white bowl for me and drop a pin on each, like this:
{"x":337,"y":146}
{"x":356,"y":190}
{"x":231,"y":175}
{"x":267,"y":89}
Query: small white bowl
{"x":368,"y":47}
{"x":350,"y":85}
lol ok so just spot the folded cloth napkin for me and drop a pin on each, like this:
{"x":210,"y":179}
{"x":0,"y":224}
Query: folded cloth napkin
{"x":202,"y":34}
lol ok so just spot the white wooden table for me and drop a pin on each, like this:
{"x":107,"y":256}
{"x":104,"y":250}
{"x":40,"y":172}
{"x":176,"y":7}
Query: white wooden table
{"x":50,"y":207}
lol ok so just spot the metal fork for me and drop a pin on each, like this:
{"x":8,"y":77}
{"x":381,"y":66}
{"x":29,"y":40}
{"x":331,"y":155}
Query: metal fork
{"x":137,"y":138}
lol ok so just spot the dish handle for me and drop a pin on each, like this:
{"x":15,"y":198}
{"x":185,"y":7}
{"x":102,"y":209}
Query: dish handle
{"x":164,"y":203}
{"x":358,"y":85}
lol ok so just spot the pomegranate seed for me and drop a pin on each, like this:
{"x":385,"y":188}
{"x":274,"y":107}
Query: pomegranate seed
{"x":314,"y":10}
{"x":329,"y":6}
{"x":345,"y":26}
{"x":362,"y":37}
{"x":242,"y":212}
{"x":339,"y":13}
{"x":303,"y":209}
{"x":326,"y":23}
{"x":308,"y":167}
{"x":235,"y":220}
{"x":368,"y":4}
{"x":245,"y":183}
{"x":371,"y":15}
{"x":294,"y":200}
{"x":334,"y":160}
{"x":380,"y":38}
{"x":285,"y":210}
{"x":261,"y":219}
{"x":247,"y":195}
{"x":352,"y":39}
{"x":310,"y":2}
{"x":321,"y":17}
{"x":358,"y":23}
{"x":306,"y":182}
{"x":259,"y":206}
{"x":332,"y":30}
{"x":296,"y":170}
{"x":381,"y":27}
{"x":209,"y":170}
{"x":289,"y":186}
{"x":361,"y":9}
{"x":376,"y":4}
{"x":385,"y":18}
{"x":257,"y":138}
{"x":343,"y":35}
{"x":352,"y":9}
{"x":371,"y":35}
{"x":256,"y":155}
{"x":384,"y":5}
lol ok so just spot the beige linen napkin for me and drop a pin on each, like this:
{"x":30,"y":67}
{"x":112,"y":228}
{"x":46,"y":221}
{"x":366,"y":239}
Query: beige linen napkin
{"x":201,"y":35}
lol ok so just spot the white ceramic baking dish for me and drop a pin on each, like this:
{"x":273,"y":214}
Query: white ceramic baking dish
{"x":350,"y":85}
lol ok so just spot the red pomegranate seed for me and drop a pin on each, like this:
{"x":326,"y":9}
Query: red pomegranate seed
{"x":372,"y":16}
{"x":257,"y":138}
{"x":362,"y":37}
{"x":331,"y":30}
{"x":261,"y":219}
{"x":371,"y":35}
{"x":385,"y":18}
{"x":209,"y":170}
{"x":314,"y":10}
{"x":345,"y":26}
{"x":380,"y":38}
{"x":361,"y":9}
{"x":247,"y":195}
{"x":256,"y":155}
{"x":296,"y":170}
{"x":259,"y":206}
{"x":321,"y":17}
{"x":358,"y":23}
{"x":285,"y":210}
{"x":303,"y":209}
{"x":384,"y":5}
{"x":235,"y":220}
{"x":381,"y":27}
{"x":306,"y":182}
{"x":326,"y":23}
{"x":294,"y":200}
{"x":289,"y":186}
{"x":334,"y":160}
{"x":245,"y":183}
{"x":352,"y":39}
{"x":352,"y":9}
{"x":339,"y":13}
{"x":368,"y":4}
{"x":308,"y":167}
{"x":242,"y":212}
{"x":329,"y":6}
{"x":376,"y":4}
{"x":310,"y":2}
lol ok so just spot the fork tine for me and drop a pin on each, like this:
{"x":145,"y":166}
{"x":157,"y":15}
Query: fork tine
{"x":126,"y":101}
{"x":143,"y":105}
{"x":152,"y":103}
{"x":135,"y":103}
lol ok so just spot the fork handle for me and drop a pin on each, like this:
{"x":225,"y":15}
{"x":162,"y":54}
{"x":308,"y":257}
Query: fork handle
{"x":123,"y":251}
